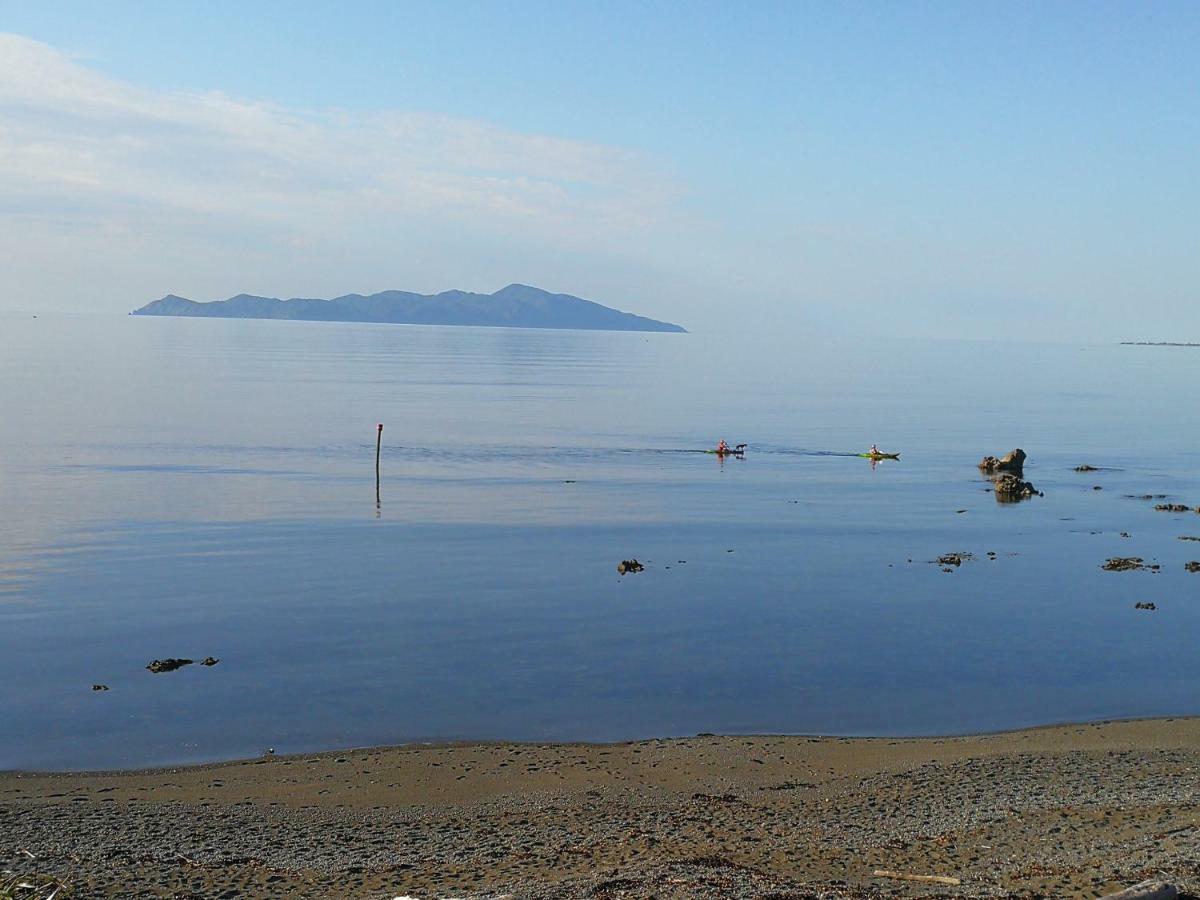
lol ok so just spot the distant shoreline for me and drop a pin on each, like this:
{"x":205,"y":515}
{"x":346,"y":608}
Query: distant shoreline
{"x":1158,"y":344}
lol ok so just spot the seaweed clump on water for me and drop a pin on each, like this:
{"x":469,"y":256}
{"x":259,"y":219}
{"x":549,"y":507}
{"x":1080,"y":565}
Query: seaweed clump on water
{"x":1128,"y":564}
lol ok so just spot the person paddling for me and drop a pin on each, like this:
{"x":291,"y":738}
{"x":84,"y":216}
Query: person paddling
{"x":722,"y":447}
{"x":875,"y":451}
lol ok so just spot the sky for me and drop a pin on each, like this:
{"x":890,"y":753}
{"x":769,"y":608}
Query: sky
{"x":983,"y":170}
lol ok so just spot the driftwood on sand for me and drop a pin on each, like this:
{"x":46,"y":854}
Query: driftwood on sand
{"x":1146,"y":890}
{"x":905,"y":876}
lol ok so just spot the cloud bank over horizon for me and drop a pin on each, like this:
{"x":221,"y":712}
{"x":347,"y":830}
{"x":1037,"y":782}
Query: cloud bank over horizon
{"x":1007,"y":172}
{"x":98,"y":174}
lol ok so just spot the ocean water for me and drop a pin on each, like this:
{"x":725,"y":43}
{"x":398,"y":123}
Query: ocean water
{"x":185,"y":488}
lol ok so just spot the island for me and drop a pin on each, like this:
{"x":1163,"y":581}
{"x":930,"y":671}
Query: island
{"x":516,"y":306}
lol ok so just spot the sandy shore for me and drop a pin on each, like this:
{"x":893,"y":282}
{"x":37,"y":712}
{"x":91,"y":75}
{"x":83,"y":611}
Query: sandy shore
{"x":1062,"y":811}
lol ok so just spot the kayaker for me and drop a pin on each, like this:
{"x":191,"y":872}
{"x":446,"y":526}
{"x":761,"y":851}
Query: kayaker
{"x":875,"y":451}
{"x":722,"y":447}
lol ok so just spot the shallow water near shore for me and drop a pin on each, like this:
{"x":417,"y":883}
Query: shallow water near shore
{"x":190,"y":488}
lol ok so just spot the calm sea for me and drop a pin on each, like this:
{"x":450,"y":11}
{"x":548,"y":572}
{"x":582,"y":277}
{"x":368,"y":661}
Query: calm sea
{"x":186,"y":488}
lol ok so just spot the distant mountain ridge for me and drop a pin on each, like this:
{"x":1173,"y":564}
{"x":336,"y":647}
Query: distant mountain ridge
{"x":515,"y":306}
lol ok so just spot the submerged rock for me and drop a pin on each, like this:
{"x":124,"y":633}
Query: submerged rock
{"x":952,"y":559}
{"x":1192,"y":566}
{"x":1086,"y":468}
{"x":1173,"y":507}
{"x":168,"y":665}
{"x":629,"y":565}
{"x":99,"y":687}
{"x":1012,"y":461}
{"x":209,"y":661}
{"x":1144,"y":606}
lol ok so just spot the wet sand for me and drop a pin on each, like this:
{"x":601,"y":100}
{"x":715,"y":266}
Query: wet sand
{"x":1063,"y":811}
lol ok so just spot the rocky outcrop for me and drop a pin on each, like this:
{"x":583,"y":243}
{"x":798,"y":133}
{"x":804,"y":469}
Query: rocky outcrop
{"x":1013,"y":461}
{"x":629,"y":565}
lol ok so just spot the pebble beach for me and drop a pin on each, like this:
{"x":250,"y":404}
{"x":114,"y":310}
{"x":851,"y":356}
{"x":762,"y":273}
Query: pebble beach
{"x":1064,"y":811}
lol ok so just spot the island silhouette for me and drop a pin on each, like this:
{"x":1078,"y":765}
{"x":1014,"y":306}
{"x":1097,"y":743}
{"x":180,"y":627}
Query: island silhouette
{"x":515,"y":306}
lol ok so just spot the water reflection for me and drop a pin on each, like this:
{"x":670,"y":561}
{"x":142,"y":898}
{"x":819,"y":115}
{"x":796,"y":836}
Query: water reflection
{"x":147,"y":519}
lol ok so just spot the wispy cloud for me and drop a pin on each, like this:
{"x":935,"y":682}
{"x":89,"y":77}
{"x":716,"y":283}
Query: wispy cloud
{"x":76,"y":145}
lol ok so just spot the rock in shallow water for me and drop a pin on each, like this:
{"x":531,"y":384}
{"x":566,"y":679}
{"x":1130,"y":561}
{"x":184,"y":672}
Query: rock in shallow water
{"x":1129,"y":564}
{"x":1010,"y":487}
{"x":168,"y":665}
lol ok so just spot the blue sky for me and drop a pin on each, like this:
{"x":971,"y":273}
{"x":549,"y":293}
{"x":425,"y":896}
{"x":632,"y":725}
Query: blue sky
{"x":989,"y":170}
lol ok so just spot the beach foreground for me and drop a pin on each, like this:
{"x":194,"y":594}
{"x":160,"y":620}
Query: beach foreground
{"x":1075,"y":810}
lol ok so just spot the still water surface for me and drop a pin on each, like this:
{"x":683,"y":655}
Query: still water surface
{"x":186,"y":488}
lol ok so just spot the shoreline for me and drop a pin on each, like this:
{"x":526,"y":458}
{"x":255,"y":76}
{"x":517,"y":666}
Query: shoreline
{"x":466,"y":744}
{"x":1057,"y":810}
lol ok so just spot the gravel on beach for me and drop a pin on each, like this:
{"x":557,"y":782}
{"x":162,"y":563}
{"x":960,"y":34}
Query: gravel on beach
{"x":1067,"y":811}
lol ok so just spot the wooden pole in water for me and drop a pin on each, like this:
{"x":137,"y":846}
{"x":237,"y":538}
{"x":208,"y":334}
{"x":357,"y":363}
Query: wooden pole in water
{"x":378,"y":444}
